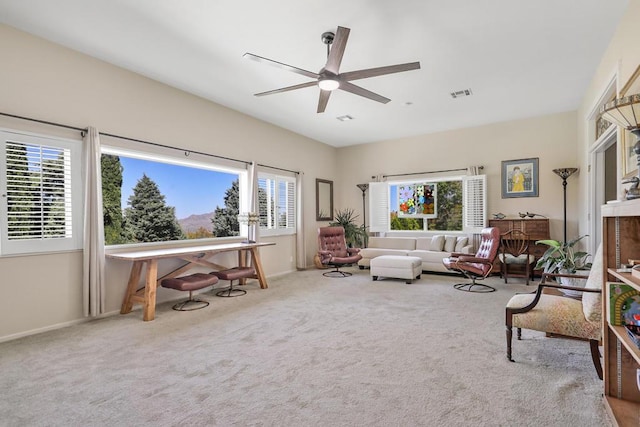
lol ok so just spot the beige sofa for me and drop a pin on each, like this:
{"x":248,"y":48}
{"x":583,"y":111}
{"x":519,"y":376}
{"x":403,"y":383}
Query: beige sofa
{"x":432,"y":250}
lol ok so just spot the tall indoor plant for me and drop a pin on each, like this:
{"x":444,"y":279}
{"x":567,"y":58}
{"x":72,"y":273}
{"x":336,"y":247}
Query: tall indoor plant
{"x":354,"y":233}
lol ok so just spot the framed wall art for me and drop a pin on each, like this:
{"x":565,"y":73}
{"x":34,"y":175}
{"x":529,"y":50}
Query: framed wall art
{"x":628,"y":140}
{"x":520,"y":178}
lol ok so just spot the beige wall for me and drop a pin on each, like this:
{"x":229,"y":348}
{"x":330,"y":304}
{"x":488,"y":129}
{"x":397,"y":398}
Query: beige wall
{"x":43,"y":80}
{"x":618,"y":63}
{"x":550,"y":138}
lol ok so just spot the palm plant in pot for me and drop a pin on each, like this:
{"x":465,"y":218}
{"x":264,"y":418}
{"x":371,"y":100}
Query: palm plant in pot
{"x":354,"y":233}
{"x":563,"y":258}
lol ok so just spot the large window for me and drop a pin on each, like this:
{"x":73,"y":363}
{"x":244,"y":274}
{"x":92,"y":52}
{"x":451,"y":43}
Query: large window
{"x":445,"y":204}
{"x":41,"y":193}
{"x":276,"y":204}
{"x":153,"y":198}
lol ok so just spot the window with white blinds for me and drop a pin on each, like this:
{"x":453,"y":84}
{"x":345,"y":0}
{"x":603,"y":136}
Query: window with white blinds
{"x":276,"y":204}
{"x":474,"y":204}
{"x":41,"y":193}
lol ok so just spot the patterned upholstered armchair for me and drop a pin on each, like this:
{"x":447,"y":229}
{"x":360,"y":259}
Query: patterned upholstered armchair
{"x":333,"y":251}
{"x":558,"y":314}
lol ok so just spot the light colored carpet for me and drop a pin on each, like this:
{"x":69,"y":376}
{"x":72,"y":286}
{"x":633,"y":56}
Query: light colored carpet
{"x":309,"y":351}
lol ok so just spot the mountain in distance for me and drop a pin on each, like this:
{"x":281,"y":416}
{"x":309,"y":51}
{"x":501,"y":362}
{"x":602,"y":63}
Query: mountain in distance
{"x":193,"y":222}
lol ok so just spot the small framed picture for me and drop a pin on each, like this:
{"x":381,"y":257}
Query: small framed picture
{"x":520,"y":178}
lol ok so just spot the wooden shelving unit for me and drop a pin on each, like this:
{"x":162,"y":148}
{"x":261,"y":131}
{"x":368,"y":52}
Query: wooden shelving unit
{"x":621,"y":242}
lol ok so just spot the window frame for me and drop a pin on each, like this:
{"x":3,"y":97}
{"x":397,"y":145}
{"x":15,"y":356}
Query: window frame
{"x":162,"y":155}
{"x":278,"y":230}
{"x":44,"y":245}
{"x":474,"y":204}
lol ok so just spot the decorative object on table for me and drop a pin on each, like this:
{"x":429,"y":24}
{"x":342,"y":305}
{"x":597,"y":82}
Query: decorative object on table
{"x":561,"y":257}
{"x":499,"y":215}
{"x":625,"y":113}
{"x":250,"y":219}
{"x":533,"y":215}
{"x":520,"y":178}
{"x":353,"y":233}
{"x":522,"y":215}
{"x":565,"y":173}
{"x":363,"y":188}
{"x":624,"y":304}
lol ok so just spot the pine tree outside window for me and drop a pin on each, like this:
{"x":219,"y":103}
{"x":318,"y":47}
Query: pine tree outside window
{"x":148,"y":197}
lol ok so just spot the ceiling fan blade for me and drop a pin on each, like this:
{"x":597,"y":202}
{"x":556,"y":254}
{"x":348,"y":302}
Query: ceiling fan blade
{"x":322,"y":101}
{"x":281,"y":65}
{"x":379,"y":71}
{"x":357,"y":90}
{"x":287,"y":89}
{"x":337,"y":50}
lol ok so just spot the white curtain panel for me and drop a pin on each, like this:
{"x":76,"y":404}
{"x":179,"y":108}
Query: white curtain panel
{"x":93,"y":292}
{"x":473,"y":170}
{"x":301,"y":253}
{"x":252,"y":172}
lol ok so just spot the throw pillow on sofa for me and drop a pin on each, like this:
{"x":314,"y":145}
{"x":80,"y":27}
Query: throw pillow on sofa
{"x":461,"y":243}
{"x":450,"y":243}
{"x":437,"y":243}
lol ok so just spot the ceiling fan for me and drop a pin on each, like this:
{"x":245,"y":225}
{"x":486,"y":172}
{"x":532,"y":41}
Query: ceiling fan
{"x":329,"y":77}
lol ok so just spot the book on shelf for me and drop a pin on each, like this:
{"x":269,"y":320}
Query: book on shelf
{"x":634,"y":334}
{"x":624,"y":304}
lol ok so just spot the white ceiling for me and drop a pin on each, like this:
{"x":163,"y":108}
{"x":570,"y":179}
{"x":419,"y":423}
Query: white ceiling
{"x":520,"y":58}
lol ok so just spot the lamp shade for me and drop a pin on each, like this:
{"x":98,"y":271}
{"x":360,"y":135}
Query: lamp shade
{"x":624,"y":112}
{"x":565,"y":173}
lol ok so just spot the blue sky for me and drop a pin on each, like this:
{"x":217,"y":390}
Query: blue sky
{"x":189,"y":190}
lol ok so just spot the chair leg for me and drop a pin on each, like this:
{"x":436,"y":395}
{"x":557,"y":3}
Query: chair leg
{"x":519,"y":331}
{"x":509,"y":336}
{"x":595,"y":356}
{"x":231,"y":291}
{"x":469,"y":287}
{"x":337,"y":272}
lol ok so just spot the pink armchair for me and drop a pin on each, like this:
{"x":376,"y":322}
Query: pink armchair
{"x":333,"y":251}
{"x":478,"y":266}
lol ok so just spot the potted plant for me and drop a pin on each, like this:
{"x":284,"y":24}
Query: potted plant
{"x":563,"y":258}
{"x":354,"y":234}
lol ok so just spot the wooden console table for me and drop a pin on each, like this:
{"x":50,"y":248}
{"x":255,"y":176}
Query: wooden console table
{"x":536,"y":228}
{"x":193,"y":255}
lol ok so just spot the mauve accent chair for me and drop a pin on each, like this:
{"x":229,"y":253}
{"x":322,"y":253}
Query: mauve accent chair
{"x":333,"y":251}
{"x":478,"y":266}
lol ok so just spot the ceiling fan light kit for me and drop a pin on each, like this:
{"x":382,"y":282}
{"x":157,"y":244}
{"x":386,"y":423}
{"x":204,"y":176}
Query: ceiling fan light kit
{"x":329,"y":77}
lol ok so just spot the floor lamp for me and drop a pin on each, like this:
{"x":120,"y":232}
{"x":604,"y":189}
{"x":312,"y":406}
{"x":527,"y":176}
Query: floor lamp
{"x":364,"y":188}
{"x":625,"y":112}
{"x":565,"y":173}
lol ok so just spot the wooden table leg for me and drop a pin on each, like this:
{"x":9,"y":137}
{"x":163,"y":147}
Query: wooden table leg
{"x":149,"y":307}
{"x":255,"y":258}
{"x":134,"y":278}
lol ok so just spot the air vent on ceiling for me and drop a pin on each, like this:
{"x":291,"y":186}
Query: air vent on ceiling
{"x":461,"y":93}
{"x":345,"y":118}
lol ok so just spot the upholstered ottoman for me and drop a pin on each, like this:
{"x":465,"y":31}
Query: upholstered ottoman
{"x":396,"y":266}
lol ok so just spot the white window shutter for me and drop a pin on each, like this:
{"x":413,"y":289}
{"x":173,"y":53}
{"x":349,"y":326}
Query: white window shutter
{"x":474,"y":216}
{"x":40,"y":185}
{"x":378,"y":207}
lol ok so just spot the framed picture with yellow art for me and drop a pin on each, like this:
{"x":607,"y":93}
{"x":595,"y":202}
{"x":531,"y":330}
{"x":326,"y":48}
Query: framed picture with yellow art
{"x":520,"y":178}
{"x":628,"y":140}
